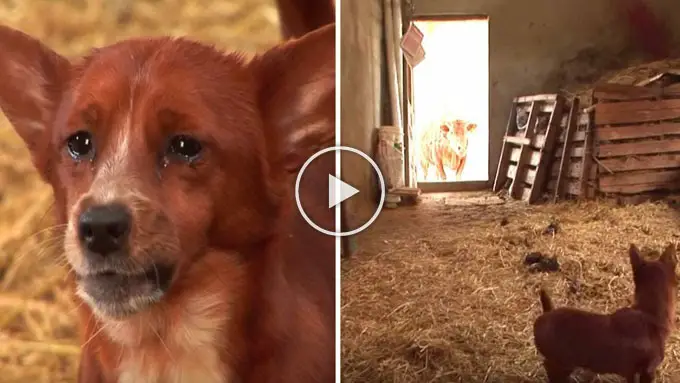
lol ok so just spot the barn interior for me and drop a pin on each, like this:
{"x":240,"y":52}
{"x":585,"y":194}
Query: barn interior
{"x":442,"y":286}
{"x":38,"y":335}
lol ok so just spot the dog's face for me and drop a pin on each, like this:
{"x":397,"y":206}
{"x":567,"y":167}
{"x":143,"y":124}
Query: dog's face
{"x":158,"y":149}
{"x":654,"y":277}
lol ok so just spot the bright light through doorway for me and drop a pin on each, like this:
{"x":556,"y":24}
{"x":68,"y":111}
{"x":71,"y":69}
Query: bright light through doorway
{"x":451,"y":101}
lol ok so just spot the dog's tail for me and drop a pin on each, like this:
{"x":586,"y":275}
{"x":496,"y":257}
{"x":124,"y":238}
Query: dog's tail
{"x":546,"y":301}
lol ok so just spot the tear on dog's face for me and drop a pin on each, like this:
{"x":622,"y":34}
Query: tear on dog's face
{"x":158,"y":149}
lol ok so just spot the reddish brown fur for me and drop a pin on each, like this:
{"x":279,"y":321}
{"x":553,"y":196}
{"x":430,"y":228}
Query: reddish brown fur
{"x":298,"y":17}
{"x":445,"y":146}
{"x":626,"y":342}
{"x":252,"y":299}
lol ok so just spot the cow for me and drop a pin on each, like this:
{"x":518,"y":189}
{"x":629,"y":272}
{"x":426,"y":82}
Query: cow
{"x":445,"y":146}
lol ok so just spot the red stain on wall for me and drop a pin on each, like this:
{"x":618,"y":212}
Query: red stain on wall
{"x":648,"y":31}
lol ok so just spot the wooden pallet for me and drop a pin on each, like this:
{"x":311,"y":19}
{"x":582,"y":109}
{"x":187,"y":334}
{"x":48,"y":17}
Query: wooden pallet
{"x":572,"y":175}
{"x":527,"y":152}
{"x":637,"y":140}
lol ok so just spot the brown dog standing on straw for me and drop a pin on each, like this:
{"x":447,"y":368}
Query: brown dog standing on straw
{"x":627,"y":342}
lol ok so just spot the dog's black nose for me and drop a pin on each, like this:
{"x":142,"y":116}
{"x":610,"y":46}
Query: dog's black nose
{"x":104,"y":229}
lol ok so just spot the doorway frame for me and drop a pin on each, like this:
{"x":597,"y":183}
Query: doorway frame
{"x":408,"y":102}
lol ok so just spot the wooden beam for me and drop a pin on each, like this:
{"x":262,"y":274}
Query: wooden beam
{"x":639,"y":177}
{"x":506,"y":151}
{"x":566,"y":148}
{"x":641,"y":147}
{"x":629,"y":163}
{"x":612,"y":133}
{"x":627,"y":112}
{"x":517,"y":140}
{"x":586,"y":161}
{"x":525,"y":154}
{"x":536,"y":97}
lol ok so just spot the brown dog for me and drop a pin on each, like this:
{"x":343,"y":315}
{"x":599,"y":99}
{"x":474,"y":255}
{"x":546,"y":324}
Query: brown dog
{"x":627,"y":342}
{"x":172,"y":166}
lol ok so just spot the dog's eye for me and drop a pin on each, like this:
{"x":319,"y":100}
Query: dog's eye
{"x":79,"y":145}
{"x":185,"y":147}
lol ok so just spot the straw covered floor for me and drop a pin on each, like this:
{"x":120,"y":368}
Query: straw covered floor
{"x":439,"y":292}
{"x":38,"y":338}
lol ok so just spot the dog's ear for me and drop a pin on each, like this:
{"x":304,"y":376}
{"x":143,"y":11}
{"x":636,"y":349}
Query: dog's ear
{"x":668,"y":256}
{"x":635,"y":258}
{"x":34,"y":78}
{"x":297,"y":96}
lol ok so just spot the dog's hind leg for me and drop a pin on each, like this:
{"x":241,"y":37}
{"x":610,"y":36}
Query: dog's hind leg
{"x":556,"y":372}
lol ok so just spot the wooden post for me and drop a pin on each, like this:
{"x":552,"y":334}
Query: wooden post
{"x":587,"y":160}
{"x":572,"y":124}
{"x":506,"y":150}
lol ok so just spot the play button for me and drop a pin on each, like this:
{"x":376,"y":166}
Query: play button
{"x":340,"y":191}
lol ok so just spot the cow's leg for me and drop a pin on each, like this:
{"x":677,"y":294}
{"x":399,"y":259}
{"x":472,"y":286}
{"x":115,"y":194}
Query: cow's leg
{"x":459,"y":168}
{"x":441,"y":174}
{"x":424,"y":164}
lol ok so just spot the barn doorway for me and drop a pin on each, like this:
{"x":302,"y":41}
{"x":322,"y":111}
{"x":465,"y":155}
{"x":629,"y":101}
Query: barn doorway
{"x":450,"y":91}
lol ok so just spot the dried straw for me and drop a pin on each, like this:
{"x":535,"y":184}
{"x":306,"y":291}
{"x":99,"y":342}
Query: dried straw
{"x":439,"y":293}
{"x":38,"y":340}
{"x":631,"y":75}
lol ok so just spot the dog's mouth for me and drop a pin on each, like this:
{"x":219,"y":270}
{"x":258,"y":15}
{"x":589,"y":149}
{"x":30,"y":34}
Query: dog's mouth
{"x":117,"y":294}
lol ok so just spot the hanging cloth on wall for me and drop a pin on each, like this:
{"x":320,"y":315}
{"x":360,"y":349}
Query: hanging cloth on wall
{"x":411,"y":45}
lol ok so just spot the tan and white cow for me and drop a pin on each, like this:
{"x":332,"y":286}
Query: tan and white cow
{"x":445,"y":145}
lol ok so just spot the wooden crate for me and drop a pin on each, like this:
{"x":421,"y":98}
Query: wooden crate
{"x":637,"y":139}
{"x":528,"y":146}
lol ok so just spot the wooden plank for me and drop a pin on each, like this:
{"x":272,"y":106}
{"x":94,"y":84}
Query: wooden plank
{"x":543,"y":107}
{"x":517,"y":140}
{"x":543,"y":168}
{"x":536,"y":97}
{"x":571,"y":127}
{"x":538,"y":141}
{"x":579,"y":136}
{"x":640,"y":188}
{"x":641,"y":147}
{"x":570,"y":188}
{"x":529,"y":174}
{"x":533,"y":160}
{"x":638,"y":178}
{"x":586,"y":161}
{"x":612,"y":133}
{"x":506,"y":150}
{"x":619,"y":92}
{"x":573,"y":169}
{"x":650,"y":80}
{"x":576,"y":152}
{"x":627,"y":112}
{"x":672,"y":90}
{"x":630,"y":163}
{"x":524,"y":156}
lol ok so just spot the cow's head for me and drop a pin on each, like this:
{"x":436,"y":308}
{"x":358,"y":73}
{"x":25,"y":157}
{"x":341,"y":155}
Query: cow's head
{"x":456,"y":133}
